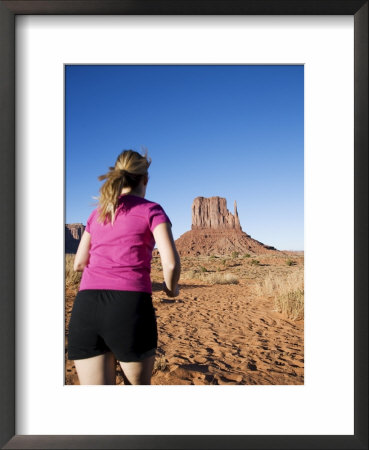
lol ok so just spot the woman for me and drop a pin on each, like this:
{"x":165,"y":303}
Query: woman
{"x":113,"y":316}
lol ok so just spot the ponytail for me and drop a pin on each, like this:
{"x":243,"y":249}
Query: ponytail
{"x":130,"y":167}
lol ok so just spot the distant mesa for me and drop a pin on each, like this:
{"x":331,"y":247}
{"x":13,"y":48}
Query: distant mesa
{"x":73,"y":234}
{"x":215,"y":230}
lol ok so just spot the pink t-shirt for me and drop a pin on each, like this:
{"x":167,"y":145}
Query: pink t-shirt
{"x":120,"y":254}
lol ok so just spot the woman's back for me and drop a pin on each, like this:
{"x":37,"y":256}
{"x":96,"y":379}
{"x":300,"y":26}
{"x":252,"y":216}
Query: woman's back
{"x":120,"y":253}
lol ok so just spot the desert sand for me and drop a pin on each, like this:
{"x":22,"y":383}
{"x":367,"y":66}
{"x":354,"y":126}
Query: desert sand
{"x":222,"y":334}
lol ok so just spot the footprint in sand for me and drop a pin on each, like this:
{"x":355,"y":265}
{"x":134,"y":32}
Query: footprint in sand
{"x":176,"y":355}
{"x":272,"y":324}
{"x":252,"y":365}
{"x":229,"y":378}
{"x":200,"y":359}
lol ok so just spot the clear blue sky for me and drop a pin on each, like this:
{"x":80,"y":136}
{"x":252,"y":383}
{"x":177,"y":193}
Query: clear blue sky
{"x":230,"y":131}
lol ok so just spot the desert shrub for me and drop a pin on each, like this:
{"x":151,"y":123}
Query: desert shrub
{"x":72,"y":278}
{"x":160,"y":364}
{"x":246,"y":255}
{"x":203,"y":269}
{"x":290,"y":262}
{"x":223,"y":278}
{"x":235,"y":254}
{"x":211,"y":257}
{"x":224,"y":262}
{"x":254,"y":262}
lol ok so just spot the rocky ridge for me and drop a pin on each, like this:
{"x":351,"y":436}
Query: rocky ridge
{"x":73,"y":234}
{"x":214,"y":231}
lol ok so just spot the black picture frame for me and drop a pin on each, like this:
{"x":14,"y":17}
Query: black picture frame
{"x":8,"y":12}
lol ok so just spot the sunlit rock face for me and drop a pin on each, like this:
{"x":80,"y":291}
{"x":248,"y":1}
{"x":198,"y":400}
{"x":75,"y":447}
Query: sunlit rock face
{"x":212,"y":213}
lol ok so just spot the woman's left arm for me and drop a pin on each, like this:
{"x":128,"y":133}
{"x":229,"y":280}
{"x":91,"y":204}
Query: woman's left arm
{"x":83,"y":252}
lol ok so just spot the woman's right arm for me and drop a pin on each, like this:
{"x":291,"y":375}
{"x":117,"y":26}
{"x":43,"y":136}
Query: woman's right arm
{"x":83,"y":252}
{"x":169,"y":257}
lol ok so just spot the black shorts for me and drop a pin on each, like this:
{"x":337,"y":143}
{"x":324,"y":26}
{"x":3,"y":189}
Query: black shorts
{"x":122,"y":322}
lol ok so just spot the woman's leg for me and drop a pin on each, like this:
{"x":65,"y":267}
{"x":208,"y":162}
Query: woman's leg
{"x":138,"y":372}
{"x":96,"y":370}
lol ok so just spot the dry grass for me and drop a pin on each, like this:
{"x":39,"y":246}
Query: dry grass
{"x":211,"y":278}
{"x":223,"y":278}
{"x":72,"y":278}
{"x":287,"y":291}
{"x":189,"y":275}
{"x":291,"y":304}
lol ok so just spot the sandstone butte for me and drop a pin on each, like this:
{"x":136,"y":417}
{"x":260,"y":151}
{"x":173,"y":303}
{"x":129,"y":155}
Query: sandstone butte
{"x":73,"y":234}
{"x":216,"y":231}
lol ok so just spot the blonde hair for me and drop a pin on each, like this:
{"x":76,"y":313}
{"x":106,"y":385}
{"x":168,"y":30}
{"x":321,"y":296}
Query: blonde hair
{"x":130,"y":167}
